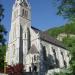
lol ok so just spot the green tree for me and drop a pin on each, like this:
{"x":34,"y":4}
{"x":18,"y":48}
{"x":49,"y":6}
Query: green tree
{"x":2,"y":38}
{"x":72,"y":62}
{"x":66,"y":8}
{"x":70,"y":43}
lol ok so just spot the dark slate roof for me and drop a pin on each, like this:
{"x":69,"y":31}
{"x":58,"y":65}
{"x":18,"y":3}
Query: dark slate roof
{"x":46,"y":37}
{"x":33,"y":49}
{"x":36,"y":30}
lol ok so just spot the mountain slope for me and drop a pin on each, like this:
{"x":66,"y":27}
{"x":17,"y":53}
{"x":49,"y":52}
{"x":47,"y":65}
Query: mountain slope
{"x":68,"y":29}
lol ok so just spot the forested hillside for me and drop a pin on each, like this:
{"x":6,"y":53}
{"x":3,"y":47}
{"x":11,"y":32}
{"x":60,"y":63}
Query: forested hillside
{"x":68,"y":29}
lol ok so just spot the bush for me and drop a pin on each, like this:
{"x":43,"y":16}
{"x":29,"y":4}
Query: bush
{"x":1,"y":70}
{"x":15,"y":70}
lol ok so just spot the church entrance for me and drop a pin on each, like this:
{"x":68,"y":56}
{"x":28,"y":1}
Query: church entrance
{"x":35,"y":68}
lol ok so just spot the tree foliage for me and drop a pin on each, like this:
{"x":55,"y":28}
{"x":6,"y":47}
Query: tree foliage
{"x":2,"y":38}
{"x":70,"y":42}
{"x":66,"y":8}
{"x":1,"y":12}
{"x":15,"y":69}
{"x":55,"y":31}
{"x":2,"y":28}
{"x":67,"y":28}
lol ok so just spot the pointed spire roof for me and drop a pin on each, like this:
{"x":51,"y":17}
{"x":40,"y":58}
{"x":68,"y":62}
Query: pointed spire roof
{"x":22,"y":1}
{"x":33,"y":49}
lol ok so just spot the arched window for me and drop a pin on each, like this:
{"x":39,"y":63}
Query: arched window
{"x":25,"y":35}
{"x":44,"y":53}
{"x":22,"y":12}
{"x":65,"y":64}
{"x":26,"y":13}
{"x":13,"y":49}
{"x":62,"y":55}
{"x":56,"y":60}
{"x":29,"y":38}
{"x":35,"y":68}
{"x":34,"y":57}
{"x":37,"y":57}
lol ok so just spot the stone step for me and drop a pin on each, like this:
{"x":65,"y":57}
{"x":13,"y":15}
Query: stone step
{"x":30,"y":73}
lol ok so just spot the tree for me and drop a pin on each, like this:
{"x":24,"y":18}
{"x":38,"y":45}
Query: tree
{"x":69,"y":28}
{"x":66,"y":8}
{"x":15,"y":69}
{"x":70,"y":43}
{"x":2,"y":38}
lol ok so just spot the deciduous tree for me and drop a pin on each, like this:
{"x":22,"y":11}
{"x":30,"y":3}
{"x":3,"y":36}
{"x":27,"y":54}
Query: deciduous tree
{"x":2,"y":38}
{"x":66,"y":8}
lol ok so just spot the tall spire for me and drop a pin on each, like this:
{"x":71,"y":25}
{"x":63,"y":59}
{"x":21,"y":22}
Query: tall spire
{"x":24,"y":2}
{"x":21,"y":1}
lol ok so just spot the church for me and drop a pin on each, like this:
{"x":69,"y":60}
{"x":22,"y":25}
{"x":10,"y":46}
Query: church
{"x":33,"y":48}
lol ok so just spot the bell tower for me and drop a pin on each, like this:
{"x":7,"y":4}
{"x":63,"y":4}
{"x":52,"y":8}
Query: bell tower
{"x":19,"y":32}
{"x":22,"y":10}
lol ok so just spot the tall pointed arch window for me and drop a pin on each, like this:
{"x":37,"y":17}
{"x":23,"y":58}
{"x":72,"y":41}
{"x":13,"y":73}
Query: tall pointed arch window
{"x":44,"y":53}
{"x":24,"y":13}
{"x":25,"y":35}
{"x":34,"y":57}
{"x":55,"y":58}
{"x":13,"y":49}
{"x":65,"y":65}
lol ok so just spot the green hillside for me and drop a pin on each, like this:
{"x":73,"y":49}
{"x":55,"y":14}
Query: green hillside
{"x":69,"y":42}
{"x":55,"y":31}
{"x":68,"y":29}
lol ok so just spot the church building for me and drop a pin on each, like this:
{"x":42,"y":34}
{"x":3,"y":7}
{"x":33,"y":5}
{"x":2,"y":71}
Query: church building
{"x":33,"y":48}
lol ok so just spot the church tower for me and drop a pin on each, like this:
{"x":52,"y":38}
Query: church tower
{"x":19,"y":35}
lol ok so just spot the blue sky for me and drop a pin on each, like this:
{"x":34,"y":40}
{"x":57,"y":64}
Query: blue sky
{"x":43,"y":14}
